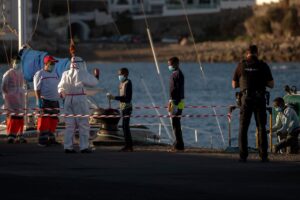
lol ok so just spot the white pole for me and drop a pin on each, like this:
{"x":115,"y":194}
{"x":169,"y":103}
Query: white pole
{"x":158,"y":72}
{"x":22,"y":22}
{"x":196,"y":135}
{"x":156,"y":110}
{"x":159,"y":130}
{"x":22,"y":7}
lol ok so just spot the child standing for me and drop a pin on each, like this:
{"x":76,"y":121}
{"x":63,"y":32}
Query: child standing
{"x":125,"y":106}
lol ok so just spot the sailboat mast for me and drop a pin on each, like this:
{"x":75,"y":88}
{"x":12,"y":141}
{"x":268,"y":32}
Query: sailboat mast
{"x":22,"y":6}
{"x":22,"y":39}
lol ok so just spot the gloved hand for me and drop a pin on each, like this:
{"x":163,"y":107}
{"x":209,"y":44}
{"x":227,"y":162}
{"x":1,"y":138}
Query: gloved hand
{"x":174,"y":109}
{"x":62,"y":95}
{"x":40,"y":103}
{"x":110,"y":96}
{"x":169,"y":106}
{"x":96,"y":73}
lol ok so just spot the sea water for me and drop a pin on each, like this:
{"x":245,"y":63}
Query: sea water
{"x":213,"y":87}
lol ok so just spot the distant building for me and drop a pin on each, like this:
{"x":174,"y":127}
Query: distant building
{"x":173,"y":7}
{"x":261,"y":2}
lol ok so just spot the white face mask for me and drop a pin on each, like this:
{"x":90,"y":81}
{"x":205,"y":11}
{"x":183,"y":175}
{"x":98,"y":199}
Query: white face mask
{"x":17,"y":66}
{"x":278,"y":109}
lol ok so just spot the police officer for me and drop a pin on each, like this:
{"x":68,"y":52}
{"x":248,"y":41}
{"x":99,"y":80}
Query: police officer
{"x":252,"y":76}
{"x":125,"y":106}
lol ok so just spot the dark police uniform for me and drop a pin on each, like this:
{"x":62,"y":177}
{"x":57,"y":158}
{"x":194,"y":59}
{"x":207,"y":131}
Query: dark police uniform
{"x":126,"y":109}
{"x":177,"y":95}
{"x":252,"y":76}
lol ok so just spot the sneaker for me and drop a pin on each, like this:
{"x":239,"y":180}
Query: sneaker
{"x":20,"y":140}
{"x":86,"y":151}
{"x":126,"y":149}
{"x":42,"y":145}
{"x":71,"y":151}
{"x":10,"y":141}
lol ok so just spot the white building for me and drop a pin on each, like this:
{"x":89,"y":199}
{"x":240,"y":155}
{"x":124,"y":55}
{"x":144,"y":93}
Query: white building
{"x":232,"y":4}
{"x":173,"y":7}
{"x":261,"y":2}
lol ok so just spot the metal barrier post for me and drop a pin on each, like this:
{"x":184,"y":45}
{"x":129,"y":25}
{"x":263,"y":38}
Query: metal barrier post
{"x":256,"y":138}
{"x":230,"y":110}
{"x":270,"y":126}
{"x":159,"y":131}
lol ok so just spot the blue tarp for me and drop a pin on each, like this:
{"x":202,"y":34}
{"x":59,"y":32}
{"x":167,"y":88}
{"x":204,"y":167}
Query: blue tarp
{"x":33,"y":61}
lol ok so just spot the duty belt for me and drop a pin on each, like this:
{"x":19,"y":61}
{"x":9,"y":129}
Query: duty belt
{"x":257,"y":93}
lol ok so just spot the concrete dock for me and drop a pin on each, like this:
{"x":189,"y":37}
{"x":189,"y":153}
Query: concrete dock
{"x":30,"y":172}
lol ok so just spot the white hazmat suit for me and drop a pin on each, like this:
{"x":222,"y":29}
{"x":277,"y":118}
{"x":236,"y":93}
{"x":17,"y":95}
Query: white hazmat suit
{"x":13,"y":89}
{"x":72,"y":86}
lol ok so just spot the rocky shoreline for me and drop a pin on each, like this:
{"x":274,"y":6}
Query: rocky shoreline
{"x":270,"y":50}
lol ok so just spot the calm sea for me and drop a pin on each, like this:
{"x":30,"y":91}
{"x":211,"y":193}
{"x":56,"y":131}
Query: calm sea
{"x":211,"y":88}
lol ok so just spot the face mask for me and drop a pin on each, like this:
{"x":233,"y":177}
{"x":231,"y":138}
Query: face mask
{"x":121,"y":78}
{"x":17,"y":66}
{"x":171,"y":68}
{"x":278,"y":109}
{"x":50,"y":68}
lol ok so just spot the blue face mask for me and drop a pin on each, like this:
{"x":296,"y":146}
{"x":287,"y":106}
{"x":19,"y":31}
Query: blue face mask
{"x":171,"y":68}
{"x":121,"y":78}
{"x":278,"y":109}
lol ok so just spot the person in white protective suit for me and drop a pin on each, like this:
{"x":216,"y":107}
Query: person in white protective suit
{"x":14,"y":101}
{"x":72,"y":88}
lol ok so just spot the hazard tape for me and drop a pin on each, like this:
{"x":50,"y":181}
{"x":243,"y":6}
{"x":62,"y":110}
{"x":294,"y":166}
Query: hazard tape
{"x":135,"y":107}
{"x":113,"y":116}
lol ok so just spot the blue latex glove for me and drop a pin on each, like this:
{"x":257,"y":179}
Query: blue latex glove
{"x":40,"y":103}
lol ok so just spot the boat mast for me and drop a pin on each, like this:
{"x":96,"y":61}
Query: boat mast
{"x":22,"y":23}
{"x":22,"y":38}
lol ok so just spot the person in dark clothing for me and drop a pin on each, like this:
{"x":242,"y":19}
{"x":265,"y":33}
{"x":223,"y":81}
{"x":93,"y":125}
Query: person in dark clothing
{"x":125,"y":105}
{"x":252,"y":76}
{"x":176,"y":102}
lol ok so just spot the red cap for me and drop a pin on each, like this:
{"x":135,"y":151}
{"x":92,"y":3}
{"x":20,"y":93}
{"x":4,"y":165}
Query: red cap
{"x":49,"y":59}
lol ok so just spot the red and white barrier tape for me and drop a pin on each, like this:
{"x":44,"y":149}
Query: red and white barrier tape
{"x":114,"y":116}
{"x":135,"y":107}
